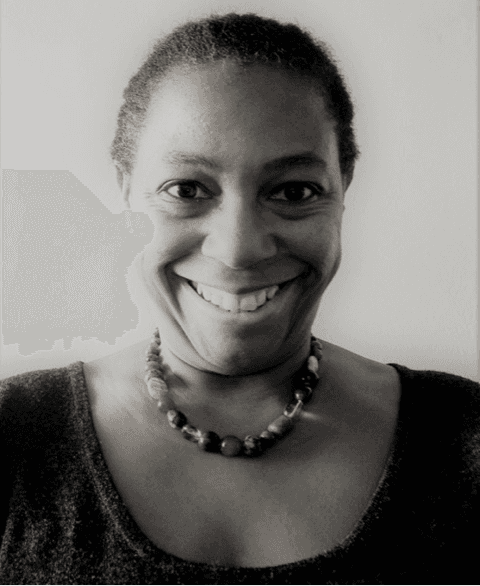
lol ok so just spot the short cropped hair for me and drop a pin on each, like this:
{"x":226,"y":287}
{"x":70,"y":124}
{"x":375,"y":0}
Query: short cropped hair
{"x":247,"y":39}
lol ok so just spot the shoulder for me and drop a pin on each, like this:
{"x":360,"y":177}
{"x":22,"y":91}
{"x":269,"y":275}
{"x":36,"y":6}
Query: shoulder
{"x":35,"y":402}
{"x":437,"y":407}
{"x":30,"y":387}
{"x":441,"y":394}
{"x":433,"y":379}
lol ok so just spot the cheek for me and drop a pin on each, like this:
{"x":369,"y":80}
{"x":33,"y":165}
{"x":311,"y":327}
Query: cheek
{"x":318,"y":245}
{"x":171,"y":239}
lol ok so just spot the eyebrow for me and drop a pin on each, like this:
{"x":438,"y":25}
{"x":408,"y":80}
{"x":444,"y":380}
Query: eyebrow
{"x":306,"y":159}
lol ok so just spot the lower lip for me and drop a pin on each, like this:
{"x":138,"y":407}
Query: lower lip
{"x":272,"y":306}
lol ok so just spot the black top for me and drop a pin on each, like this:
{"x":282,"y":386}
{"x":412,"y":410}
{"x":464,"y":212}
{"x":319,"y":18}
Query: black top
{"x":62,"y":520}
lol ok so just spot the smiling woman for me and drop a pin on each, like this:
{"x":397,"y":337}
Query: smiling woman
{"x":305,"y":463}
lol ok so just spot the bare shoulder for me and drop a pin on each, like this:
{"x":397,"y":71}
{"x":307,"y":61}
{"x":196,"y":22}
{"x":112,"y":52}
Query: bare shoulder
{"x":114,"y":380}
{"x":119,"y":365}
{"x":364,"y":380}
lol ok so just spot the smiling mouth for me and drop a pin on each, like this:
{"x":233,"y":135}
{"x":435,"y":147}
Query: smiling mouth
{"x":237,"y":303}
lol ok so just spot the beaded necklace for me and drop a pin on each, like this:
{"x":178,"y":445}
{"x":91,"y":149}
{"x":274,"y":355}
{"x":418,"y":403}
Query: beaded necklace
{"x":253,"y":445}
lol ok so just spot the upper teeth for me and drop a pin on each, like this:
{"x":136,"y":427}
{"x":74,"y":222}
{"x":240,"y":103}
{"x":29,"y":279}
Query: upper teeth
{"x":236,"y":303}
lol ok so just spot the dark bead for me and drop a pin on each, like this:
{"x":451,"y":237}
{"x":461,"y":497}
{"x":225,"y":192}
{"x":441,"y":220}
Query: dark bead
{"x":176,"y":419}
{"x":304,"y":394}
{"x":252,"y":446}
{"x":281,"y":426}
{"x":190,"y":433}
{"x":153,"y":349}
{"x":231,"y":446}
{"x":268,"y":439}
{"x":305,"y":377}
{"x":209,"y":442}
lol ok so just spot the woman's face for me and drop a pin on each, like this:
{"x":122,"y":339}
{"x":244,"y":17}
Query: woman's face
{"x":239,"y":172}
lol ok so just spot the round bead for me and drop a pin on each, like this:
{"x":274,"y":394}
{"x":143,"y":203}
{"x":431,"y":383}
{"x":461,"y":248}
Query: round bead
{"x":252,"y":446}
{"x":190,"y":432}
{"x":312,"y":364}
{"x":165,"y":403}
{"x":156,"y":388}
{"x":293,"y":409}
{"x":231,"y":446}
{"x":209,"y":441}
{"x":176,"y":419}
{"x":281,"y":426}
{"x":304,"y":394}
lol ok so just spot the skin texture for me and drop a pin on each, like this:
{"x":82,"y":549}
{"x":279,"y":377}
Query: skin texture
{"x":232,"y":373}
{"x":238,"y":232}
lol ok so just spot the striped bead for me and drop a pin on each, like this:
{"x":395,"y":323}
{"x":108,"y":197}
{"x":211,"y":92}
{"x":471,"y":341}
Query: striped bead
{"x":156,"y":388}
{"x":190,"y":432}
{"x":281,"y":426}
{"x":153,"y":374}
{"x":312,"y":364}
{"x":252,"y":446}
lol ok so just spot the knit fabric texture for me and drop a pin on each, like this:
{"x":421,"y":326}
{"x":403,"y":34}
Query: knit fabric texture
{"x":62,"y":520}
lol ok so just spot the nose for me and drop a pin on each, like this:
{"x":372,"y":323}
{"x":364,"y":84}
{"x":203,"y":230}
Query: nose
{"x":240,"y":235}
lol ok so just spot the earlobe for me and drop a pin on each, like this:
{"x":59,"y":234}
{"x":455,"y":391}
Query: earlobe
{"x":347,"y":179}
{"x":124,"y":183}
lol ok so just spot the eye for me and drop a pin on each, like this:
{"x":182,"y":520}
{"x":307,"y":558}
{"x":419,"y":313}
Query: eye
{"x":295,"y":192}
{"x":185,"y":190}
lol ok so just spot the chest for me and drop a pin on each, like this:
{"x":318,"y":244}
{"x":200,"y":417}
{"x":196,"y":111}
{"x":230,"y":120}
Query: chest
{"x":247,"y":513}
{"x":298,"y":500}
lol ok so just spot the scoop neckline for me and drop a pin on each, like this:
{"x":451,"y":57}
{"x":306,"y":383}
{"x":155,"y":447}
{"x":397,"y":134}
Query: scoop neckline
{"x":126,"y":525}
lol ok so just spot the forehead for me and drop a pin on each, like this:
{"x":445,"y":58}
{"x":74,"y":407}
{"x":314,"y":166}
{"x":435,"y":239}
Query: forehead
{"x":235,"y":114}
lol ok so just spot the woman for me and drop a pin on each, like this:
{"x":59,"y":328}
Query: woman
{"x":234,"y":447}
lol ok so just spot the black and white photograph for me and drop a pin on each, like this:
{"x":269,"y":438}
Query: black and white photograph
{"x":239,"y":292}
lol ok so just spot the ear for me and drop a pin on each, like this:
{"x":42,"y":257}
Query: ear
{"x":123,"y":181}
{"x":347,"y":179}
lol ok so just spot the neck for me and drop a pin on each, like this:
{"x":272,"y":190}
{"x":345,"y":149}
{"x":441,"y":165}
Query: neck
{"x":236,"y":401}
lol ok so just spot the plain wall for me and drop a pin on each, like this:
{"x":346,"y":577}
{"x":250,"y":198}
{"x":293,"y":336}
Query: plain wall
{"x":407,"y":288}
